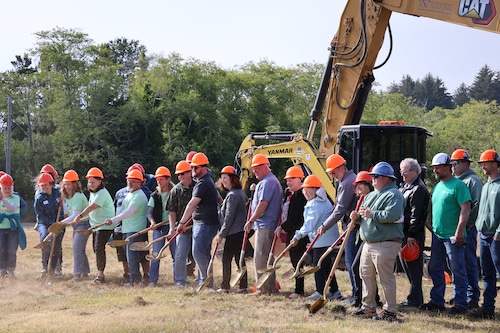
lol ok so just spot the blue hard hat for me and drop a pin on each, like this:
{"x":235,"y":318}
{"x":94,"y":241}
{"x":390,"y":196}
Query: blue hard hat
{"x":383,"y":169}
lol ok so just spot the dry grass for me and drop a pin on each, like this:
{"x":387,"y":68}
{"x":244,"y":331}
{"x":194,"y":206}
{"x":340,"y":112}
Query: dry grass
{"x":63,"y":306}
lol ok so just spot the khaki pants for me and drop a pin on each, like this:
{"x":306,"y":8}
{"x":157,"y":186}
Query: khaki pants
{"x":263,"y":241}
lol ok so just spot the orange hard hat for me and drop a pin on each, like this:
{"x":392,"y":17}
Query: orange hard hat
{"x":45,"y":178}
{"x":189,"y":156}
{"x":460,"y":154}
{"x":410,"y":254}
{"x":94,"y":173}
{"x":135,"y":174}
{"x":71,"y":176}
{"x":136,"y":166}
{"x":6,"y":180}
{"x":47,"y":168}
{"x":259,"y":159}
{"x":363,"y":176}
{"x":182,"y":167}
{"x":294,"y":172}
{"x":162,"y":172}
{"x":334,"y":161}
{"x":312,"y":181}
{"x":229,"y":170}
{"x":489,"y":156}
{"x":199,"y":159}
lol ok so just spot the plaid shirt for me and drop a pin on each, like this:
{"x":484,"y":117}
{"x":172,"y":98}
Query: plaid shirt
{"x":178,"y":199}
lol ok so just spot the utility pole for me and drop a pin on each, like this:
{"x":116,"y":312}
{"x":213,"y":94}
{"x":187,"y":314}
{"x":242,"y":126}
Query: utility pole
{"x":9,"y":126}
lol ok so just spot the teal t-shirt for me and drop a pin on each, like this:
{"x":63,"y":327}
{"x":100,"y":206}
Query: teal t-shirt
{"x":138,"y":220}
{"x":13,"y":200}
{"x":106,"y":209}
{"x":164,"y":214}
{"x":446,"y":200}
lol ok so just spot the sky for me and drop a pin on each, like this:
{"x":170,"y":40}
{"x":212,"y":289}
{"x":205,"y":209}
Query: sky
{"x":233,"y":33}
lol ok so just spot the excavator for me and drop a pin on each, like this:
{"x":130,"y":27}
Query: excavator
{"x":345,"y":86}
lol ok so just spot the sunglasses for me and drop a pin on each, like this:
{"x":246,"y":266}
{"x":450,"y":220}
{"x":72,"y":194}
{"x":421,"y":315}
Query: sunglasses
{"x":455,"y":162}
{"x":182,"y":173}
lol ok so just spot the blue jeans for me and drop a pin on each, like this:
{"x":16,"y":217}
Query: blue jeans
{"x":134,"y":257}
{"x":203,"y":236}
{"x":350,"y":253}
{"x":490,"y":263}
{"x":154,"y":271}
{"x":80,"y":259}
{"x":183,"y":243}
{"x":8,"y":249}
{"x":471,"y":265}
{"x":440,"y":249}
{"x":43,"y":231}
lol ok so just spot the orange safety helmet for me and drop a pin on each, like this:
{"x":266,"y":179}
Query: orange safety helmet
{"x":294,"y":172}
{"x":259,"y":159}
{"x":228,"y":170}
{"x":410,"y":254}
{"x":312,"y":181}
{"x":182,"y":167}
{"x":334,"y":161}
{"x":6,"y":180}
{"x":94,"y":173}
{"x":135,"y":174}
{"x":162,"y":172}
{"x":489,"y":156}
{"x":363,"y":176}
{"x":71,"y":176}
{"x":45,"y":178}
{"x":189,"y":156}
{"x":460,"y":154}
{"x":199,"y":159}
{"x":47,"y":168}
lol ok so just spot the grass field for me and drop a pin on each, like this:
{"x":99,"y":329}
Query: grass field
{"x":29,"y":305}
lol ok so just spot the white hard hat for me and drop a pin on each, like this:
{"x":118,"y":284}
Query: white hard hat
{"x":441,"y":159}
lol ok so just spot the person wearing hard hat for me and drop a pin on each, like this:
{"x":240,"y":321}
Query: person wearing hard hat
{"x":100,"y":209}
{"x":415,"y":214}
{"x":74,"y":203}
{"x":177,"y":200}
{"x":460,"y":166}
{"x":292,"y":218}
{"x":381,"y":228}
{"x":451,"y":203}
{"x":158,"y":213}
{"x":233,"y":216}
{"x":203,"y":209}
{"x":345,"y":202}
{"x":266,"y":210}
{"x":134,"y":219}
{"x":488,"y":226}
{"x":47,"y":204}
{"x":316,"y":211}
{"x":12,"y":234}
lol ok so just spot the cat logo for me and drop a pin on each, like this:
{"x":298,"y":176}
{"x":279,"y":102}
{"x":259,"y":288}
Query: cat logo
{"x":480,"y":11}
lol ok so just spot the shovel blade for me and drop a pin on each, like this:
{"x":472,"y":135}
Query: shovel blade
{"x":139,"y":246}
{"x":204,"y":284}
{"x":41,"y":245}
{"x":153,"y":256}
{"x":117,"y":242}
{"x":263,"y":279}
{"x":318,"y":304}
{"x":84,"y":232}
{"x":290,"y":274}
{"x":57,"y":227}
{"x":237,"y":277}
{"x":309,"y":271}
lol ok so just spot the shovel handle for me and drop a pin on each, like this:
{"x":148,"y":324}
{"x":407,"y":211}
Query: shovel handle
{"x":289,"y":246}
{"x":143,"y":231}
{"x":176,"y":233}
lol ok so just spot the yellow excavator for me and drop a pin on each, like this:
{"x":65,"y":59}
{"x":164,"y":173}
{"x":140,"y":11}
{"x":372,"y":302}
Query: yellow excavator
{"x":345,"y":86}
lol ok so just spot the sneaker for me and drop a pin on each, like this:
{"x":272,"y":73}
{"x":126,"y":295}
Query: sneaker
{"x":295,"y":296}
{"x":347,"y":301}
{"x":431,"y":307}
{"x":334,"y":296}
{"x":482,"y":314}
{"x":316,"y":295}
{"x":364,"y":313}
{"x":222,"y":291}
{"x":43,"y":274}
{"x":456,"y":310}
{"x":98,"y":280}
{"x":407,"y":304}
{"x":385,"y":315}
{"x":76,"y":278}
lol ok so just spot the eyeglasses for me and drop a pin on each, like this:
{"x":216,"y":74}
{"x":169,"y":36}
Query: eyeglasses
{"x":195,"y":167}
{"x":404,"y":172}
{"x":181,"y":173}
{"x":455,"y":162}
{"x":375,"y":176}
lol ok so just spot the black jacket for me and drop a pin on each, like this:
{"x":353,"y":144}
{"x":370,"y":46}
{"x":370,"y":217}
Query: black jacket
{"x":417,"y":202}
{"x":295,"y":218}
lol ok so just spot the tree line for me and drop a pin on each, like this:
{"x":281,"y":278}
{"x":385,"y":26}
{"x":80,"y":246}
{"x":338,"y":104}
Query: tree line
{"x":78,"y":104}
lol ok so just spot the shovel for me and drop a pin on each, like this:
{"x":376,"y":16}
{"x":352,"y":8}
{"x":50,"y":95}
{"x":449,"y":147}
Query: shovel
{"x":321,"y":302}
{"x":295,"y":273}
{"x":121,"y":242}
{"x":44,"y":242}
{"x":210,"y":273}
{"x":268,"y":271}
{"x":90,"y":230}
{"x":158,"y":256}
{"x":242,"y":269}
{"x":58,"y":227}
{"x":327,"y":252}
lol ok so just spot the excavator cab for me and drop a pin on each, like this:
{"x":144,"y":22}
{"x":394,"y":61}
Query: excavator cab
{"x":363,"y":146}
